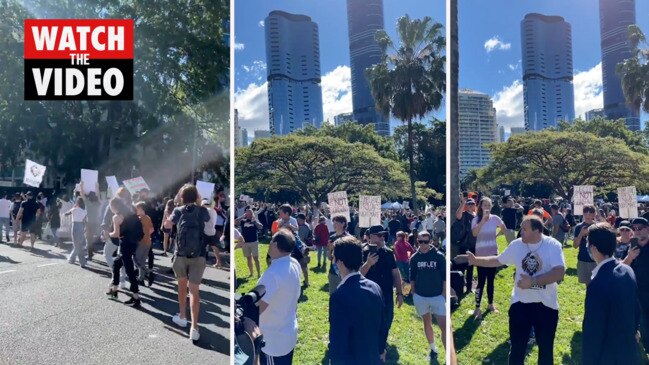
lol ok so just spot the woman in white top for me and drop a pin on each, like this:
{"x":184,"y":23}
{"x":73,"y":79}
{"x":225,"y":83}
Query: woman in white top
{"x":79,"y":219}
{"x":484,"y":227}
{"x":211,"y":239}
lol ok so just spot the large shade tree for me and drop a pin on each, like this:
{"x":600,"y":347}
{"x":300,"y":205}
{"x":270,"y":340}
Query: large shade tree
{"x":634,"y":72}
{"x":410,"y":81}
{"x":565,"y":159}
{"x":315,"y":166}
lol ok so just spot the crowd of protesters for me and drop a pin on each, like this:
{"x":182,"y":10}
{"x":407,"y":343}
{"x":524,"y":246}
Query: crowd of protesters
{"x":376,"y":266}
{"x":612,"y":262}
{"x":126,"y":228}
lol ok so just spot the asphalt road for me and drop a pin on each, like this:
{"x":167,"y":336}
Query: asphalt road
{"x":53,"y":312}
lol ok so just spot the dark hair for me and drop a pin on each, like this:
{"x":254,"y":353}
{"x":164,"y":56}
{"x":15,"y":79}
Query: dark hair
{"x":286,"y":208}
{"x":301,"y":216}
{"x":340,"y":219}
{"x":554,"y":206}
{"x":589,"y":207}
{"x":535,"y":222}
{"x":349,"y":250}
{"x":188,"y":194}
{"x":480,"y":212}
{"x":602,"y":236}
{"x":170,"y":205}
{"x":92,"y":196}
{"x":81,"y":203}
{"x":285,"y":240}
{"x":537,"y":202}
{"x":120,"y":206}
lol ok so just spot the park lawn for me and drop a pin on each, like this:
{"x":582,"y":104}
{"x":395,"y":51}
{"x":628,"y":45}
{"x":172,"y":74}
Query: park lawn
{"x":486,"y":342}
{"x":406,"y":343}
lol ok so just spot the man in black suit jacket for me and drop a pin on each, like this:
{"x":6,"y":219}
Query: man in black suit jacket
{"x":612,"y":310}
{"x":355,"y":310}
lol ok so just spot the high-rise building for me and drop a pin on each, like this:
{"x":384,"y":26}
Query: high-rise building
{"x":594,"y":113}
{"x":262,"y":134}
{"x":517,"y":130}
{"x":364,"y":19}
{"x":546,"y":46}
{"x":615,"y":16}
{"x":237,"y":129}
{"x":477,"y":127}
{"x":293,"y":69}
{"x":244,"y":137}
{"x":343,"y":118}
{"x":501,"y":134}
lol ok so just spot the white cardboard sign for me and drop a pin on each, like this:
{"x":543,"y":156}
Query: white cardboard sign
{"x":338,"y":204}
{"x":34,"y":173}
{"x":628,"y":202}
{"x":135,"y":185}
{"x":90,"y":178}
{"x":113,"y":185}
{"x":369,"y":212}
{"x":583,"y":194}
{"x":205,"y":189}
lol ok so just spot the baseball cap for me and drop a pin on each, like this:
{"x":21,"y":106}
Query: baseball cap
{"x":624,"y":225}
{"x":640,"y":221}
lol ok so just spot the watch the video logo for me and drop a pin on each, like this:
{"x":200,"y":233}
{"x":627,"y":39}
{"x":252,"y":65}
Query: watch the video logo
{"x":78,"y":59}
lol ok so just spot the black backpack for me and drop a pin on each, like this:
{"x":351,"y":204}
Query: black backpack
{"x":189,"y":239}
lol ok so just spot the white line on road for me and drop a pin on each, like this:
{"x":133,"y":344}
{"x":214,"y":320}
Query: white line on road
{"x":50,"y":264}
{"x":7,"y":271}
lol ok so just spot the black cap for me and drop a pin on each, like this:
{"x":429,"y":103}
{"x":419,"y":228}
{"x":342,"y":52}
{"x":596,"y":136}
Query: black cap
{"x":377,"y":230}
{"x":640,"y":221}
{"x":625,"y":224}
{"x":470,"y":201}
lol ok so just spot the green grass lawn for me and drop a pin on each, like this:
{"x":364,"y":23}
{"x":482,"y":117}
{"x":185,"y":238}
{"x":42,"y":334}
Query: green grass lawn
{"x":486,"y":342}
{"x":406,"y":343}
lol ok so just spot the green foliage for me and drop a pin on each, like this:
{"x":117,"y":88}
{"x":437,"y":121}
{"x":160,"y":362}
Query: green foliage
{"x":603,"y":127}
{"x":429,"y":152}
{"x":634,"y":72}
{"x":314,"y":166}
{"x":352,"y":133}
{"x":562,"y":159}
{"x":180,"y":99}
{"x":410,"y":81}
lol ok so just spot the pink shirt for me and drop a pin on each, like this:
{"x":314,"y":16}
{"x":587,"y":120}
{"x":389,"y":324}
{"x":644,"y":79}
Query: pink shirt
{"x":401,"y":249}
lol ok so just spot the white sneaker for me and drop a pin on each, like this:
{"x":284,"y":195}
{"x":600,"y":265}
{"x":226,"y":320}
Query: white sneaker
{"x":181,"y":322}
{"x":194,"y":335}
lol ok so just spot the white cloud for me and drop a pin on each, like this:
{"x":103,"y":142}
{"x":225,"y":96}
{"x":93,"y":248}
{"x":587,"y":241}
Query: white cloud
{"x":494,"y":43}
{"x":252,"y":105}
{"x":588,"y":95}
{"x":257,"y":70}
{"x":261,"y":23}
{"x":239,"y":46}
{"x":337,"y":92}
{"x":509,"y":105}
{"x":252,"y":102}
{"x":588,"y":90}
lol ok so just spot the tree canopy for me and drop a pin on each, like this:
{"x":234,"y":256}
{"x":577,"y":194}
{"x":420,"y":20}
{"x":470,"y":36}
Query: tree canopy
{"x":634,"y":72}
{"x":181,"y":104}
{"x":314,"y":166}
{"x":563,"y":159}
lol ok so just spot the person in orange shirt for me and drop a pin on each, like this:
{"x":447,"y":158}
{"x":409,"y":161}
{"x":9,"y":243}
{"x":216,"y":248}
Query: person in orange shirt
{"x":538,"y":205}
{"x":142,"y":252}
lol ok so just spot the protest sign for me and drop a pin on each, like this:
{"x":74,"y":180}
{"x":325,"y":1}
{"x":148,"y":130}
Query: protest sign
{"x":628,"y":202}
{"x":89,"y":178}
{"x":338,"y":204}
{"x":135,"y":185}
{"x":583,"y":194}
{"x":205,"y":189}
{"x":113,"y":185}
{"x":34,"y":173}
{"x":369,"y":212}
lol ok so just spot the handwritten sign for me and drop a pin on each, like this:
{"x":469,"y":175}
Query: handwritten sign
{"x":135,"y":185}
{"x":338,"y":204}
{"x":369,"y":212}
{"x":628,"y":202}
{"x":583,"y":194}
{"x":205,"y":189}
{"x":33,"y":173}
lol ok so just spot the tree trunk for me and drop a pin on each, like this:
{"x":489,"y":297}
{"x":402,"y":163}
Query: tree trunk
{"x":454,"y":109}
{"x":411,"y":167}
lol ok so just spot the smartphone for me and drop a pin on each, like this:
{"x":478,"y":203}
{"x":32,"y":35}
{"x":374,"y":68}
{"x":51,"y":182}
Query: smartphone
{"x":465,"y":194}
{"x":634,"y":242}
{"x":373,"y":249}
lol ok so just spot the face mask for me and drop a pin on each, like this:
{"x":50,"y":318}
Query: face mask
{"x":589,"y":253}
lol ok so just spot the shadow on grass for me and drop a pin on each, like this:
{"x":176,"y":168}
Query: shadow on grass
{"x":303,"y":297}
{"x":571,"y":271}
{"x":464,"y":335}
{"x":325,"y":288}
{"x":575,"y":350}
{"x":499,"y":355}
{"x":319,"y":269}
{"x":393,"y":355}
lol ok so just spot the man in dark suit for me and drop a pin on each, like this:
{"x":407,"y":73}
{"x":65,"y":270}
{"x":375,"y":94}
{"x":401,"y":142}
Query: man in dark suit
{"x":612,"y":310}
{"x":355,"y":310}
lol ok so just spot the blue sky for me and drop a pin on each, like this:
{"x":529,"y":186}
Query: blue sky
{"x":498,"y":72}
{"x":331,"y":16}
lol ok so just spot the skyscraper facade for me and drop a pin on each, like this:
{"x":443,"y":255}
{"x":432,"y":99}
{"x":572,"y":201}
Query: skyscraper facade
{"x":477,"y":127}
{"x":546,"y":45}
{"x":293,"y":72}
{"x":364,"y":19}
{"x":615,"y":16}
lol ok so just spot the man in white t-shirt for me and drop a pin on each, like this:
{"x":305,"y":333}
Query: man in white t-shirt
{"x":5,"y":211}
{"x":539,"y":265}
{"x":278,"y":307}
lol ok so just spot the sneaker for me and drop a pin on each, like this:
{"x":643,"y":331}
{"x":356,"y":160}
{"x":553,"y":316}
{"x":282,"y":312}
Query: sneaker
{"x":181,"y":322}
{"x":194,"y":335}
{"x":135,"y":303}
{"x":151,"y":278}
{"x":122,"y":285}
{"x":433,"y":353}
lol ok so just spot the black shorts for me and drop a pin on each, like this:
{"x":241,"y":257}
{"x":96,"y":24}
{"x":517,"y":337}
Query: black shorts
{"x":28,"y":226}
{"x":211,"y":240}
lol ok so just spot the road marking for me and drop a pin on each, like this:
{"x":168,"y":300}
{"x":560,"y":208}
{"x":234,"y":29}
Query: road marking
{"x":50,"y":264}
{"x":7,"y":271}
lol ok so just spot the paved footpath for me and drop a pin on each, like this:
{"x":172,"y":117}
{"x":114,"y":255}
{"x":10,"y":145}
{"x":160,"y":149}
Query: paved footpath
{"x":52,"y":312}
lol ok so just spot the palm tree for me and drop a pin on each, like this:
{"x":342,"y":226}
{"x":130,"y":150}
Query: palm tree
{"x":634,"y":72}
{"x":454,"y":109}
{"x":410,"y":82}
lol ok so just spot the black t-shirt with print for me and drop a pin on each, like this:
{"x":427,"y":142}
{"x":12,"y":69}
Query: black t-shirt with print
{"x":381,"y":271}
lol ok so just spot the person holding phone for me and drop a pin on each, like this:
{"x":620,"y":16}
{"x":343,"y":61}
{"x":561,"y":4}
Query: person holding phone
{"x":484,"y":227}
{"x":638,"y":259}
{"x":585,"y":263}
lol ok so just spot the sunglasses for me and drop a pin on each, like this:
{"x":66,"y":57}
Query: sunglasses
{"x":423,"y":242}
